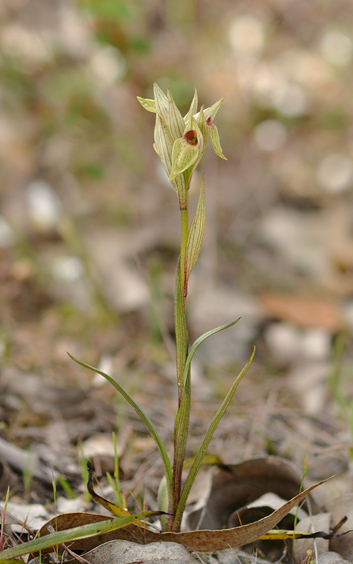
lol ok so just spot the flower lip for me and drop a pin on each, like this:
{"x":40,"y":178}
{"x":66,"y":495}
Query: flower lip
{"x":191,"y":137}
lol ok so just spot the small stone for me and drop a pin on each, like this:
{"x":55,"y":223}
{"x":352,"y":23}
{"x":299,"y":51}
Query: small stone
{"x":332,"y":558}
{"x":124,"y":552}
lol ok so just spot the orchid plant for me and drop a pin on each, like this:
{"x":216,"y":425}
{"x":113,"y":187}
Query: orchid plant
{"x":180,"y":143}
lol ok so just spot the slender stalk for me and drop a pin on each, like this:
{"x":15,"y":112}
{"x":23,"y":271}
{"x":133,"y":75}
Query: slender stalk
{"x":180,"y":441}
{"x":203,"y":449}
{"x":182,"y":343}
{"x":181,"y":279}
{"x":184,"y":239}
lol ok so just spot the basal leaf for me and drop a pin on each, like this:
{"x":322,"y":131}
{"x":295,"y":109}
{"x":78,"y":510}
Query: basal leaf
{"x":146,"y":420}
{"x":200,"y":340}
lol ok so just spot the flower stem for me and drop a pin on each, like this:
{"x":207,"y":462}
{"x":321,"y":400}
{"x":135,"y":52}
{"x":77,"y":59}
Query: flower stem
{"x":184,"y":239}
{"x":182,"y":343}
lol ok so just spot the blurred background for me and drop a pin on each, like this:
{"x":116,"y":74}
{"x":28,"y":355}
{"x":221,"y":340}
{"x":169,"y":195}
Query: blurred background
{"x":89,"y":227}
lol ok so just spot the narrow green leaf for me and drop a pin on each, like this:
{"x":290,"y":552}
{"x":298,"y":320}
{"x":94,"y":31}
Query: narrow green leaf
{"x":82,"y":532}
{"x":200,"y":340}
{"x":196,"y":234}
{"x":148,"y":104}
{"x":202,"y":451}
{"x":146,"y":420}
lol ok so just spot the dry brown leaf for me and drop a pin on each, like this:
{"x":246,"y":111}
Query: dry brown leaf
{"x":203,"y":540}
{"x":235,"y":486}
{"x":302,"y":310}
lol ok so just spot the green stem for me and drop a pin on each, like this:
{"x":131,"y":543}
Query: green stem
{"x":203,"y":449}
{"x":181,"y":430}
{"x":184,"y":239}
{"x":182,"y":343}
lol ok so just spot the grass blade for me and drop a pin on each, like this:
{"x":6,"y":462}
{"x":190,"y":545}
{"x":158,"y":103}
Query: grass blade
{"x":144,"y":417}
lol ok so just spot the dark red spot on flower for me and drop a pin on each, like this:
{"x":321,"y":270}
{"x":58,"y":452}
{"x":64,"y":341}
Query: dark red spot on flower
{"x":191,"y":137}
{"x":209,"y":121}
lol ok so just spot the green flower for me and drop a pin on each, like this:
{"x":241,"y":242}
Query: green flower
{"x":180,"y":142}
{"x":187,"y":150}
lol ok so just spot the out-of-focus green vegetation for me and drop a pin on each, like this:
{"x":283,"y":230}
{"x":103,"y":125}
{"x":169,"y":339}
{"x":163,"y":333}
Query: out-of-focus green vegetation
{"x":69,"y":76}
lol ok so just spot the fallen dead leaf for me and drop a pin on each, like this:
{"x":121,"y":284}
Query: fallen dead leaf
{"x":235,"y":486}
{"x":302,"y":310}
{"x":199,"y":541}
